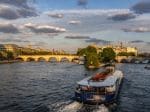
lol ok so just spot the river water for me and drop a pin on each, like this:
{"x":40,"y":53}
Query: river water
{"x":49,"y":87}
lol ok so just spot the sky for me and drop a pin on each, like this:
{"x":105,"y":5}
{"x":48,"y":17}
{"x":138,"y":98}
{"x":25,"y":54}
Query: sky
{"x":92,"y":4}
{"x":72,"y":24}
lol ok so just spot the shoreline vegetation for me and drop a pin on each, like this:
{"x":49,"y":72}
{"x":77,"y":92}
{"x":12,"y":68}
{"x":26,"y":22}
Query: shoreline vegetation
{"x":94,"y":58}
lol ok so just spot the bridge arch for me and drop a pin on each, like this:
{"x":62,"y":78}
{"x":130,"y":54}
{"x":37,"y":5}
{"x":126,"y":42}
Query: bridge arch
{"x":123,"y":61}
{"x":20,"y":59}
{"x":53,"y":59}
{"x":41,"y":59}
{"x":65,"y":59}
{"x":30,"y":59}
{"x":134,"y":60}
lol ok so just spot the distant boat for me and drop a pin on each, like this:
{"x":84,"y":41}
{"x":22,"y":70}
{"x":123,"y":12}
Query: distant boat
{"x":145,"y":61}
{"x":100,"y":88}
{"x":137,"y":62}
{"x":81,"y":62}
{"x":147,"y":66}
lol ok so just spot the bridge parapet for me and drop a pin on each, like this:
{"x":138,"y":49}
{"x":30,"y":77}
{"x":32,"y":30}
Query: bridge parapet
{"x":126,"y":58}
{"x":47,"y":57}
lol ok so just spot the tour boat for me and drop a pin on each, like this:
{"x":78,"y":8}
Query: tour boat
{"x":81,"y":62}
{"x":101,"y":88}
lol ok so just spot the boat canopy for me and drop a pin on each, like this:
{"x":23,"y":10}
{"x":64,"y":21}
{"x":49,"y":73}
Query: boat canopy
{"x":109,"y":81}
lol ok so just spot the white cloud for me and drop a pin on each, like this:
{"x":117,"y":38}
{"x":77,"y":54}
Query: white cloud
{"x":44,"y":28}
{"x":74,"y":22}
{"x":139,"y":29}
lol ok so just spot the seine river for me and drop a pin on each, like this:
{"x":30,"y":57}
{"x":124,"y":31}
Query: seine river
{"x":49,"y":87}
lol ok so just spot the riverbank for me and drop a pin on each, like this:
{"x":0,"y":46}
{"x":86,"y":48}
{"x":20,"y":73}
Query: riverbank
{"x":8,"y":61}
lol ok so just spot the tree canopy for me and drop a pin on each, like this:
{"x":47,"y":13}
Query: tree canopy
{"x":107,"y":55}
{"x":91,"y":56}
{"x":126,"y":54}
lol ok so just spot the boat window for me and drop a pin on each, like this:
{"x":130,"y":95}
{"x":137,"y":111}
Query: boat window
{"x":93,"y":89}
{"x":86,"y":88}
{"x":111,"y":89}
{"x":101,"y":90}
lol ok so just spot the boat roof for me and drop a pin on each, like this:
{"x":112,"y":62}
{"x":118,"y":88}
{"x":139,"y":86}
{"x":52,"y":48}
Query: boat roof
{"x":109,"y":81}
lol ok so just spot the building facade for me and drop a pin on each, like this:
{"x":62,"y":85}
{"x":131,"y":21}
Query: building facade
{"x":118,"y":49}
{"x":8,"y":47}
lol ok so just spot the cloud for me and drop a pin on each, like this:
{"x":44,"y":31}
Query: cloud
{"x":14,"y":40}
{"x":122,"y":16}
{"x":82,"y":3}
{"x":98,"y":41}
{"x":8,"y":12}
{"x":14,"y":9}
{"x":20,"y":3}
{"x":141,"y":7}
{"x":56,"y":15}
{"x":44,"y":28}
{"x":74,"y":22}
{"x":138,"y":30}
{"x":77,"y":37}
{"x":40,"y":44}
{"x":137,"y":41}
{"x":148,"y":43}
{"x":8,"y":28}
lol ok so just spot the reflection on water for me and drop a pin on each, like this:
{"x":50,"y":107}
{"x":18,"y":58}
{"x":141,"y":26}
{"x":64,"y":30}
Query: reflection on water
{"x":49,"y":87}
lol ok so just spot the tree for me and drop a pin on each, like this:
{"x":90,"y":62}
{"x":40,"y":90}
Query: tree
{"x":81,"y":52}
{"x":91,"y":49}
{"x":92,"y":60}
{"x":126,"y":54}
{"x":108,"y":55}
{"x":85,"y":51}
{"x":91,"y":56}
{"x":122,"y":54}
{"x":131,"y":54}
{"x":10,"y":55}
{"x":1,"y":56}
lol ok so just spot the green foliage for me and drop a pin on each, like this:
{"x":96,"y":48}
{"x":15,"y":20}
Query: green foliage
{"x":91,"y":55}
{"x":92,"y":60}
{"x":1,"y":56}
{"x":91,"y":49}
{"x":131,"y":54}
{"x":7,"y":55}
{"x":126,"y":54}
{"x":82,"y":52}
{"x":85,"y":51}
{"x":144,"y":55}
{"x":10,"y":56}
{"x":122,"y":54}
{"x":108,"y":55}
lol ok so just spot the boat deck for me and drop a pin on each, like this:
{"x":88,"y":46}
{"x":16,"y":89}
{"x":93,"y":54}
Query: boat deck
{"x":109,"y":81}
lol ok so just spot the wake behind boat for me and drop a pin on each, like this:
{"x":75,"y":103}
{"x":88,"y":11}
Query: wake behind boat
{"x":100,"y":88}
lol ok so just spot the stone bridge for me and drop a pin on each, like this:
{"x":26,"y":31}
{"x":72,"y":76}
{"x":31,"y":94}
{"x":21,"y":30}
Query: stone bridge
{"x":47,"y":58}
{"x":122,"y":59}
